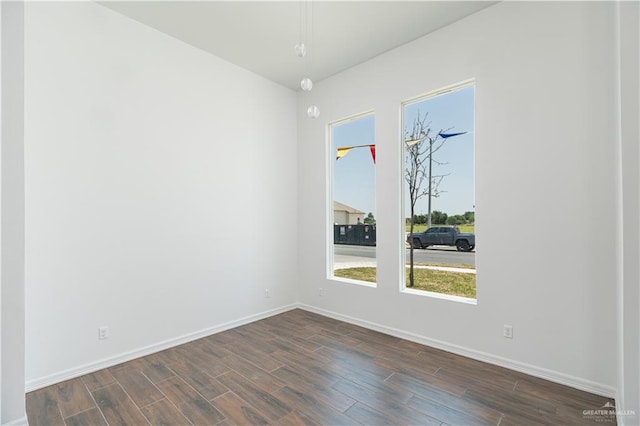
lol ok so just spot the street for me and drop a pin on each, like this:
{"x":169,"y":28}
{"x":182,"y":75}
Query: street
{"x":439,"y":254}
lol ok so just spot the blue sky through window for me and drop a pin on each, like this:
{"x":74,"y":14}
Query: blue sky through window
{"x":354,"y":179}
{"x":354,"y":175}
{"x":451,"y":113}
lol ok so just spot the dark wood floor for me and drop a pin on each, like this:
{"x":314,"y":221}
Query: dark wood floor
{"x":302,"y":368}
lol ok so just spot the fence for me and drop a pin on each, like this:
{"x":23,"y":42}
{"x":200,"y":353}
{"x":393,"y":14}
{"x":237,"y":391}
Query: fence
{"x":357,"y":235}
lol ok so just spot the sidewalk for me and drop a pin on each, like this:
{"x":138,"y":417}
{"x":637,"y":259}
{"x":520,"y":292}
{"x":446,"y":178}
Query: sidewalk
{"x":348,"y":265}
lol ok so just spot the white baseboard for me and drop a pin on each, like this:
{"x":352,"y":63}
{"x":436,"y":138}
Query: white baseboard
{"x":532,"y":370}
{"x":157,"y":347}
{"x":554,"y":376}
{"x":18,"y":422}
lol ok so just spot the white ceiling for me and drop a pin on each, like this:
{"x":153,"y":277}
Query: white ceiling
{"x":260,"y":35}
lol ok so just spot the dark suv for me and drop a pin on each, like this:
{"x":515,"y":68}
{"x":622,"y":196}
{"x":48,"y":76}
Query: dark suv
{"x":443,"y":236}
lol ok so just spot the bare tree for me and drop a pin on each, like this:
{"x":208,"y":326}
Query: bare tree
{"x":421,"y":143}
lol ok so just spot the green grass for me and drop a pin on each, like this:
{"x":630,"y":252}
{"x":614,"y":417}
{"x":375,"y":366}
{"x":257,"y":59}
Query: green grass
{"x":447,"y":265}
{"x":457,"y":284}
{"x":467,"y":228}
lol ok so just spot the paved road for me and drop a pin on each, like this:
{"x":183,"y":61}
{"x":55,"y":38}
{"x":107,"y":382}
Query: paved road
{"x":440,"y":254}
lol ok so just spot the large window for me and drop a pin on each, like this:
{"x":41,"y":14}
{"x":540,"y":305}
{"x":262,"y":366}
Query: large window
{"x":439,"y":197}
{"x":353,"y":205}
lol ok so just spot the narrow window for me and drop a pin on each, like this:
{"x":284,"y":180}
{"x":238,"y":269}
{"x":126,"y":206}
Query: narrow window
{"x":352,"y":202}
{"x":439,"y":195}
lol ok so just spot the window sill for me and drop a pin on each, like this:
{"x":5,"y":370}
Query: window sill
{"x":448,"y":297}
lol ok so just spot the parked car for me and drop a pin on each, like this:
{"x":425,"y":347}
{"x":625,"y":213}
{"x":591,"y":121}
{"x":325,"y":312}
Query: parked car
{"x":443,"y":236}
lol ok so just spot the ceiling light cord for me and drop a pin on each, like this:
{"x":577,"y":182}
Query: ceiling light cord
{"x":300,"y":18}
{"x":307,"y":84}
{"x":305,"y":8}
{"x":300,"y":48}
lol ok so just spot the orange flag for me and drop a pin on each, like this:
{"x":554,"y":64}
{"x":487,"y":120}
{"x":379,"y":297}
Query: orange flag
{"x":342,"y":152}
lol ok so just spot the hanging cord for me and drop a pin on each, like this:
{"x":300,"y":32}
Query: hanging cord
{"x":301,"y":17}
{"x":310,"y":35}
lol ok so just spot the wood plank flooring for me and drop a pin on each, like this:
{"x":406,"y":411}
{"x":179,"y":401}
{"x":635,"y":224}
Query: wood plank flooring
{"x":300,"y":368}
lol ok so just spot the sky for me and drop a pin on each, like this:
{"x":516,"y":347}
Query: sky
{"x":354,"y":174}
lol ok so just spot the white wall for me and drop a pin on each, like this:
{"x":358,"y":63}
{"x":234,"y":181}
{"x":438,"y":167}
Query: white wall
{"x":545,"y":189}
{"x":158,"y":179}
{"x":12,"y":404}
{"x":629,"y":294}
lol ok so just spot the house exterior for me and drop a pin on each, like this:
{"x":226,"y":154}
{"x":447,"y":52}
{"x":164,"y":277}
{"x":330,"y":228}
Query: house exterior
{"x":346,"y":215}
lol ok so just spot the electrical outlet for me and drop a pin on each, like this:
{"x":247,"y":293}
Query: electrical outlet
{"x":507,"y":331}
{"x":103,"y":333}
{"x":266,"y":293}
{"x":320,"y":291}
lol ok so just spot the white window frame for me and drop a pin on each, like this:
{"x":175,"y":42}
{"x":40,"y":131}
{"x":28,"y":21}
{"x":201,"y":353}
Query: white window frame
{"x":330,"y":165}
{"x":413,"y":100}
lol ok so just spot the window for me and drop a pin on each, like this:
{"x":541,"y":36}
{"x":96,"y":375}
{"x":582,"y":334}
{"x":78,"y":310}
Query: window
{"x":352,"y":157}
{"x":439,"y":196}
